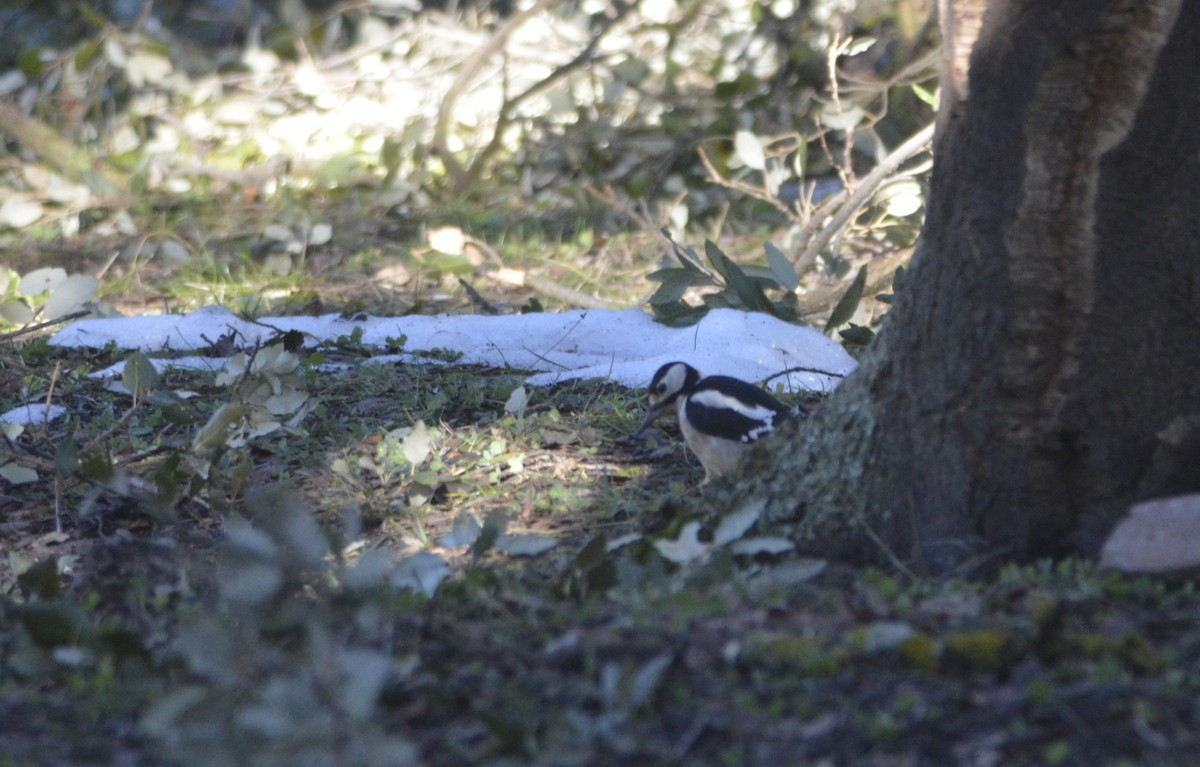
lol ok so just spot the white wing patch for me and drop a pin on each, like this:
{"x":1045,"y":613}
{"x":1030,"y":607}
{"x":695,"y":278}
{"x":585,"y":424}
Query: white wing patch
{"x":760,"y":420}
{"x":714,"y":398}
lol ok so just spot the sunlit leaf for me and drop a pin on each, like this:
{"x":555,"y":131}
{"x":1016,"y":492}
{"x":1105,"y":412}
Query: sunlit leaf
{"x":320,"y":234}
{"x":902,"y":198}
{"x":447,"y":239}
{"x":39,"y":281}
{"x":465,"y":532}
{"x":685,"y":548}
{"x":525,"y":544}
{"x":287,"y":401}
{"x":767,"y":545}
{"x":516,"y":402}
{"x":18,"y":475}
{"x":144,"y":68}
{"x":18,"y":212}
{"x":215,"y":432}
{"x":842,"y":117}
{"x":422,"y":572}
{"x":734,"y":525}
{"x":749,"y":150}
{"x":800,"y":157}
{"x":932,"y":98}
{"x":16,"y":312}
{"x":858,"y":46}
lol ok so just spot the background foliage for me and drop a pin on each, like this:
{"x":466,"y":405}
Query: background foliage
{"x":427,"y":563}
{"x":559,"y":121}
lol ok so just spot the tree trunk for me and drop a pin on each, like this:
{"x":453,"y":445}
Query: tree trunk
{"x":1040,"y":369}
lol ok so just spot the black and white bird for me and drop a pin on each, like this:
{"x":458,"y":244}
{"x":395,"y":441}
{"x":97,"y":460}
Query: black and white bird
{"x":720,"y":416}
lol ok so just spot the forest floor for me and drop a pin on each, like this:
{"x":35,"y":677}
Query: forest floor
{"x":161,"y":604}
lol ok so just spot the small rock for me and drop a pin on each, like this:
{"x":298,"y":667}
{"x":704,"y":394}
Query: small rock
{"x":1158,"y":536}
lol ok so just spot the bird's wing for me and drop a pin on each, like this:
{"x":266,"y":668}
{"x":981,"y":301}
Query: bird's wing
{"x":734,"y":418}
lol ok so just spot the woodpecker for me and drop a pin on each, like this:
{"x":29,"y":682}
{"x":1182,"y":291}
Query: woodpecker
{"x":720,"y":416}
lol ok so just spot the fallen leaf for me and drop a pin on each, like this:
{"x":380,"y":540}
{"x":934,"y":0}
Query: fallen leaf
{"x":686,"y":548}
{"x":525,"y":544}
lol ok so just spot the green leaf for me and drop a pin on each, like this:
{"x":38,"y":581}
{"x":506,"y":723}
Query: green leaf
{"x":170,"y":481}
{"x":66,"y":459}
{"x":52,"y":625}
{"x":800,"y":157}
{"x":761,"y":545}
{"x":750,"y":295}
{"x":785,"y":273}
{"x":857,"y":334}
{"x":848,"y":303}
{"x":929,"y":97}
{"x":678,"y":314}
{"x":285,"y":515}
{"x":96,"y":466}
{"x":31,"y":65}
{"x":465,"y":532}
{"x":631,"y":71}
{"x":174,"y":409}
{"x":40,"y":580}
{"x":674,"y":283}
{"x":493,"y":527}
{"x":18,"y":475}
{"x":686,"y":256}
{"x":593,"y":553}
{"x":139,"y":377}
{"x":447,"y":263}
{"x":648,"y":678}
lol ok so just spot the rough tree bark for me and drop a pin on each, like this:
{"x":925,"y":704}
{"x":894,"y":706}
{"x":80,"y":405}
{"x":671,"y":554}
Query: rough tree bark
{"x":1040,"y":369}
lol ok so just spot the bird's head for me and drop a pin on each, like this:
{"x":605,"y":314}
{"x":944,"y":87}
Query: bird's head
{"x":672,"y":381}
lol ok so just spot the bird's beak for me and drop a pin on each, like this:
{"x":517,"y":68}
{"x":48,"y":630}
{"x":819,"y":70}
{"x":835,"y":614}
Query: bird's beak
{"x":651,"y":416}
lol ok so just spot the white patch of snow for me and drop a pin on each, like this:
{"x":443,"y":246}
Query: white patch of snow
{"x":35,"y":414}
{"x":622,"y":346}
